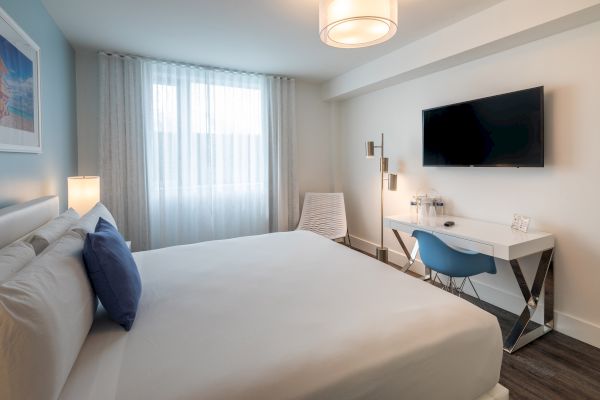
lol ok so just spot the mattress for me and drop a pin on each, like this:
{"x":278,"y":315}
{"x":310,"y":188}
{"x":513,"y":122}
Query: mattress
{"x":287,"y":316}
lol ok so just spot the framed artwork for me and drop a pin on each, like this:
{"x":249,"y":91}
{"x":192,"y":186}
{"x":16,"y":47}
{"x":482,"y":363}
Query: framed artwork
{"x":20,"y":129}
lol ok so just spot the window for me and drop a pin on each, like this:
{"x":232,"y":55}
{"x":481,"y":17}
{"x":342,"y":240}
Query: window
{"x":222,"y":121}
{"x":207,"y":151}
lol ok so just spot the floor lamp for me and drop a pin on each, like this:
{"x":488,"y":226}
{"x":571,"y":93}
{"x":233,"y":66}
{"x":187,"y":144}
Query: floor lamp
{"x":392,"y":182}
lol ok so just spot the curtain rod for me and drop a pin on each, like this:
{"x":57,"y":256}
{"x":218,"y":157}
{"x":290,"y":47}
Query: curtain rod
{"x":189,"y":65}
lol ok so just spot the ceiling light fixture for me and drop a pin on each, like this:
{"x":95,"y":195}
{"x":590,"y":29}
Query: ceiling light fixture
{"x":357,"y":23}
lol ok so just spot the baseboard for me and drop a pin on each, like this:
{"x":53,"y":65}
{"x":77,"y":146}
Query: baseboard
{"x":577,"y":328}
{"x":564,"y":323}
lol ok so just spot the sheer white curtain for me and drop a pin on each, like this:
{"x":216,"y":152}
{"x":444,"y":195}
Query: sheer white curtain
{"x":206,"y":154}
{"x":122,"y":146}
{"x":280,"y":107}
{"x":218,"y":151}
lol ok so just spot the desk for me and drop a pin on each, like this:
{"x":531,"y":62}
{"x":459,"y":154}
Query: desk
{"x":499,"y":241}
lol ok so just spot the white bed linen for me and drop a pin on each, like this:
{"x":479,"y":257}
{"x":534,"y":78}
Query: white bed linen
{"x":287,"y":316}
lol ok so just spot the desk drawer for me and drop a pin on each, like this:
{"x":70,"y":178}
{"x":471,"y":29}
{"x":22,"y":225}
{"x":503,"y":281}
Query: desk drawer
{"x":402,"y":226}
{"x":466,"y":244}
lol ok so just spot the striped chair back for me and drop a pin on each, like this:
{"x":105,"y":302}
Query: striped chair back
{"x":325,"y":214}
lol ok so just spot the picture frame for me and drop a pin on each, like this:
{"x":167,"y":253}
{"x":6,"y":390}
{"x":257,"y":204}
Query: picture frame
{"x":520,"y":223}
{"x":20,"y":103}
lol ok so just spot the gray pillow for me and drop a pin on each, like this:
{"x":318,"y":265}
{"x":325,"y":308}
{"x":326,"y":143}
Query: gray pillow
{"x":41,"y":238}
{"x":14,"y":257}
{"x":87,"y":223}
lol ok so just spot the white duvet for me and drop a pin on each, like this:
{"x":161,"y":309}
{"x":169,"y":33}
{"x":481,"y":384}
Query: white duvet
{"x":287,"y":316}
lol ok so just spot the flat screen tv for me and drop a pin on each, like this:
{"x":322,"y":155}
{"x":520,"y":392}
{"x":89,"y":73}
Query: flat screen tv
{"x":499,"y":131}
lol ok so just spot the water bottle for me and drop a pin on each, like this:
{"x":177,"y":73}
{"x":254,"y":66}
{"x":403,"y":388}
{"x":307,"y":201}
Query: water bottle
{"x":414,"y":211}
{"x":432,"y":214}
{"x":439,"y":205}
{"x":421,"y":210}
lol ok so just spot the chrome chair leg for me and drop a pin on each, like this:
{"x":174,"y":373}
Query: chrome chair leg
{"x":453,"y":287}
{"x":458,"y":289}
{"x":439,"y":280}
{"x":346,"y":240}
{"x":436,"y":278}
{"x":461,"y":289}
{"x":473,"y":286}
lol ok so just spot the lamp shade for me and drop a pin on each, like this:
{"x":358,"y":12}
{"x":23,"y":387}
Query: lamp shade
{"x":369,"y":149}
{"x":357,"y":23}
{"x":84,"y":192}
{"x":384,"y":164}
{"x":392,"y":182}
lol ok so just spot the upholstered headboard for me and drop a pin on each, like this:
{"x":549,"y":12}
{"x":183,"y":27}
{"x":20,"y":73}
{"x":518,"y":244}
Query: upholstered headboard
{"x":21,"y":219}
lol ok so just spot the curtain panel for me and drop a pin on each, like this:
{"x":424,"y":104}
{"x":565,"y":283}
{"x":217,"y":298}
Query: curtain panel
{"x":122,"y":146}
{"x":207,"y":154}
{"x":284,"y":197}
{"x":213,"y":150}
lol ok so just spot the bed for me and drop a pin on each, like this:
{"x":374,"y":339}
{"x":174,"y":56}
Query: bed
{"x":287,"y":316}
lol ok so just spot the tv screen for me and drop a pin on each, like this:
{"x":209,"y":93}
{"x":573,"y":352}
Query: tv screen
{"x":499,"y":131}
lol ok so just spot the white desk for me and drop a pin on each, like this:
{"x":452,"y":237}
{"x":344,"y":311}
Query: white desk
{"x":499,"y":241}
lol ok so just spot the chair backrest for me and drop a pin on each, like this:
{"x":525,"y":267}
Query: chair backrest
{"x":325,"y":214}
{"x":442,"y":258}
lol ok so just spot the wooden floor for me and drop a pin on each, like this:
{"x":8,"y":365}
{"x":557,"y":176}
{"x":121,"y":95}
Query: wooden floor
{"x":554,"y":367}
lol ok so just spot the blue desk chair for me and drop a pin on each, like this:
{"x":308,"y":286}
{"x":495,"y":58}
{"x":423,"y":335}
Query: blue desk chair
{"x":443,"y":259}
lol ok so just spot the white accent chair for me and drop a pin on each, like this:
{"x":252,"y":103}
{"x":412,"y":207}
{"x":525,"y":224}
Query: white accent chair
{"x":325,"y":214}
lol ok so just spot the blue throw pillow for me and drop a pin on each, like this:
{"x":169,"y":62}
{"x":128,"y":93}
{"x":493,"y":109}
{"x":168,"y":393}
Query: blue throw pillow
{"x":112,"y":272}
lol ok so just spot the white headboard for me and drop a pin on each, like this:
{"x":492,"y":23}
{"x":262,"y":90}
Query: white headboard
{"x":21,"y":219}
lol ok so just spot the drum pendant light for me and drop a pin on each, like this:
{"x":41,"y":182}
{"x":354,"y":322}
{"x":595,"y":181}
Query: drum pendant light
{"x":357,"y":23}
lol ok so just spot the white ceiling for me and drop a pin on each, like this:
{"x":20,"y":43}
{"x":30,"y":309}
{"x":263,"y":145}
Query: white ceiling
{"x":269,"y":36}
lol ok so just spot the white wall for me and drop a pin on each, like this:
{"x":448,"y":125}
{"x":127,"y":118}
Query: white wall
{"x":315,"y":141}
{"x":313,"y":123}
{"x":561,"y":198}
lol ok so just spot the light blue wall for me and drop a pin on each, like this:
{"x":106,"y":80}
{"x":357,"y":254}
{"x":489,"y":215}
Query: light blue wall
{"x":26,"y":176}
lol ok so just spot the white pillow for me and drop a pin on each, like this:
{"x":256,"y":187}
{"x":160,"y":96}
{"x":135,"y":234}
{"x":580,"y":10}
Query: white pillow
{"x":46,"y":311}
{"x":53,"y":230}
{"x":14,"y":257}
{"x":88,"y":222}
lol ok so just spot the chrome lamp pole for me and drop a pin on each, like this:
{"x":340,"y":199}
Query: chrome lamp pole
{"x":392,"y":182}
